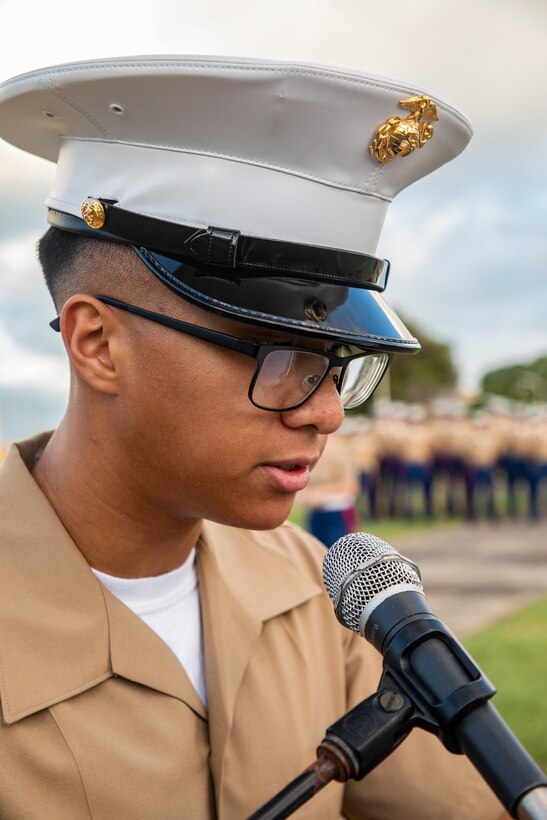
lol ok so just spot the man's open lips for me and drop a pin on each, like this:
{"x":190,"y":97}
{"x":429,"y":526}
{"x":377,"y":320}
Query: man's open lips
{"x":289,"y":476}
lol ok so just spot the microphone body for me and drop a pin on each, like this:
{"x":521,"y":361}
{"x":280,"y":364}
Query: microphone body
{"x":378,"y":593}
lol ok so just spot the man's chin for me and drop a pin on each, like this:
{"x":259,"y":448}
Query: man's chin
{"x":259,"y":518}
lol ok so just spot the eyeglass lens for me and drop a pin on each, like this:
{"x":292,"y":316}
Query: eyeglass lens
{"x":361,"y":378}
{"x":286,"y":378}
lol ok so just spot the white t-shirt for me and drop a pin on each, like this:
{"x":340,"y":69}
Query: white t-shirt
{"x":169,"y":604}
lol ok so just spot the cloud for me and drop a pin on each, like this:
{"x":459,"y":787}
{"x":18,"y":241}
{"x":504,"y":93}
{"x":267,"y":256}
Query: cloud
{"x":469,"y":264}
{"x":34,"y":374}
{"x":487,"y":56}
{"x":21,"y":368}
{"x":25,"y":305}
{"x":25,"y":411}
{"x":31,"y":357}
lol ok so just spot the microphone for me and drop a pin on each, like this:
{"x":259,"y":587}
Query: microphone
{"x":378,"y":593}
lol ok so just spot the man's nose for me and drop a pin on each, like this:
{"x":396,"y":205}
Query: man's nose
{"x":323,"y":410}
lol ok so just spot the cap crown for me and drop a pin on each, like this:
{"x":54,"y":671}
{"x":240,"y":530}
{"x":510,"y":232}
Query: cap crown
{"x":273,"y":149}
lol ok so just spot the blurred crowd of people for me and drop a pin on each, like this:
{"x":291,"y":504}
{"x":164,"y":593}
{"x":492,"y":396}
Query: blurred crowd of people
{"x":409,"y":460}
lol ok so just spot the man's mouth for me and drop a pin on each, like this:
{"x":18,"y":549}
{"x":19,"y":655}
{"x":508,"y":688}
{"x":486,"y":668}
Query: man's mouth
{"x":288,"y":476}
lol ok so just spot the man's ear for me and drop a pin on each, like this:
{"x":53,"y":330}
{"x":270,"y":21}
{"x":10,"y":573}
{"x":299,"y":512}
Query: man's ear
{"x":89,"y":331}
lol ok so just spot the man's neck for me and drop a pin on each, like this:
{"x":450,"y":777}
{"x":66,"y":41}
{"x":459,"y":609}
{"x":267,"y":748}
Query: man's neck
{"x":117,"y":531}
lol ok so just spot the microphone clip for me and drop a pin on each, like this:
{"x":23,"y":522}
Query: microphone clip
{"x":366,"y":735}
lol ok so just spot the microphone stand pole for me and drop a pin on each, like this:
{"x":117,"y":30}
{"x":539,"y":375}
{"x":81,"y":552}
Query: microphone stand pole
{"x":299,"y":790}
{"x":352,"y":747}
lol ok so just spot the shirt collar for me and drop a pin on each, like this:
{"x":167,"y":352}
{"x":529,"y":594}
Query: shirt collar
{"x":52,"y":609}
{"x":62,"y":633}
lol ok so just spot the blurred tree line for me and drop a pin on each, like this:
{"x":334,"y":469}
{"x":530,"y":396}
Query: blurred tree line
{"x":422,"y":377}
{"x":520,"y":382}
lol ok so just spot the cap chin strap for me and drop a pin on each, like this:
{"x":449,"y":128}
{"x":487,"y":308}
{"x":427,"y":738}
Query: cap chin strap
{"x":230,"y":250}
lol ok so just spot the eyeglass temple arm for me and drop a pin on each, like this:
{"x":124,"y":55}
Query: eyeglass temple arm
{"x":205,"y":333}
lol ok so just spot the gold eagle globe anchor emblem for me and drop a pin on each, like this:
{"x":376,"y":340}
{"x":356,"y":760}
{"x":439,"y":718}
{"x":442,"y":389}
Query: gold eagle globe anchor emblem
{"x":398,"y":137}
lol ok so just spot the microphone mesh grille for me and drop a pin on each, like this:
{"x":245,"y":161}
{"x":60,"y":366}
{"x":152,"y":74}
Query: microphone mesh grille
{"x":341,"y":563}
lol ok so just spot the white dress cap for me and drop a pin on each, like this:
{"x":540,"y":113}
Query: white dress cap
{"x":273,"y":149}
{"x":254,"y":188}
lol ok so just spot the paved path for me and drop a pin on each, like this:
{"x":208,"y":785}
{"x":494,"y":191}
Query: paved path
{"x":475,"y":574}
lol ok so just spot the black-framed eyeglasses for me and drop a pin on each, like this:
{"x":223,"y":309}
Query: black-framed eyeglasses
{"x":285,"y":376}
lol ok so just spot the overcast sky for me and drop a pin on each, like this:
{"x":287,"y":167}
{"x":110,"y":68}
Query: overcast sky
{"x":468,"y":244}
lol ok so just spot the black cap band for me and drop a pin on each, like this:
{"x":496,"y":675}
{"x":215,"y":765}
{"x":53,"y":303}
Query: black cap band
{"x":251,"y":257}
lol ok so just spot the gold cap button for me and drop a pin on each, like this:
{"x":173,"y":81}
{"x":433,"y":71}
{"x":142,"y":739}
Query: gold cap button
{"x":93,"y":212}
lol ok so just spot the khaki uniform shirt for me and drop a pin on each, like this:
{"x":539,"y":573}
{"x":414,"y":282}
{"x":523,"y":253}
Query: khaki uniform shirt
{"x":99,"y":719}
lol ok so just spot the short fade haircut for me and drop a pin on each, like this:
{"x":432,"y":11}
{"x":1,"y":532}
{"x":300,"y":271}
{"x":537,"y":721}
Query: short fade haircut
{"x":63,"y":255}
{"x":58,"y":252}
{"x":73,"y":263}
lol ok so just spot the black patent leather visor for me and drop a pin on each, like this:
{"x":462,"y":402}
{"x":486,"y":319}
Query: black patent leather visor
{"x":353,"y":315}
{"x":282,"y":285}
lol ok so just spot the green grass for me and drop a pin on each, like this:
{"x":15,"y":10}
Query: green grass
{"x":385,"y":528}
{"x":513,"y":654}
{"x":389,"y":529}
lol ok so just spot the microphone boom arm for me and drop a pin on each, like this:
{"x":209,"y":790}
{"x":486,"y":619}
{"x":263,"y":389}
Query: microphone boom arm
{"x":352,"y":747}
{"x":360,"y":740}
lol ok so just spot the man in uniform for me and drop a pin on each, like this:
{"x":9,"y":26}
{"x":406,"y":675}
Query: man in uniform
{"x":167,"y":649}
{"x":331,"y":495}
{"x":417,"y":454}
